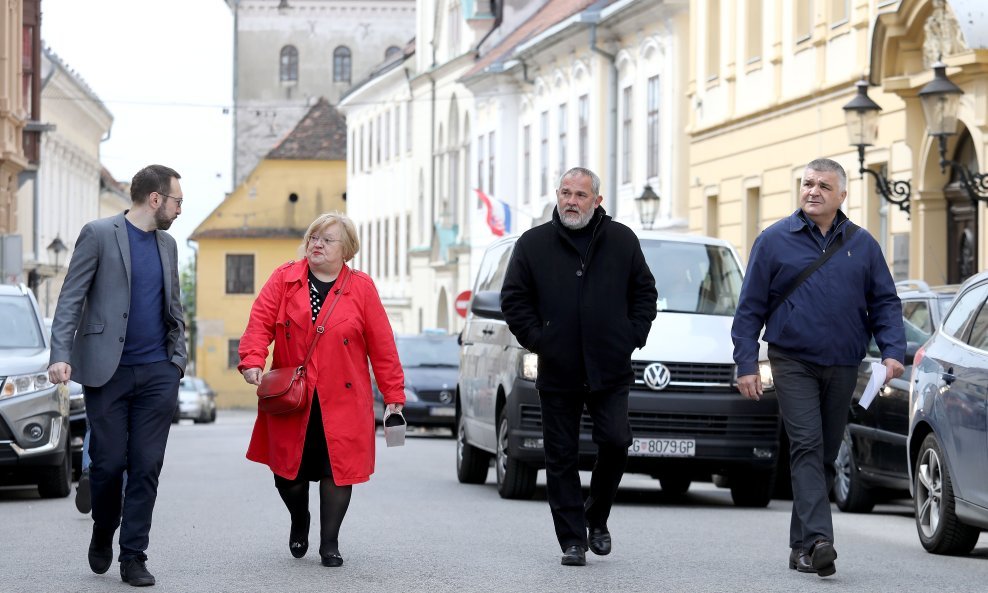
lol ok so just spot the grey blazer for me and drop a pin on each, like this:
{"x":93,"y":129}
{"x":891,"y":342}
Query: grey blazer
{"x":95,"y":302}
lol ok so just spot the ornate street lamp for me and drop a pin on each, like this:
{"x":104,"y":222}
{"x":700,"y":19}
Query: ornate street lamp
{"x":941,"y":99}
{"x":861,"y":115}
{"x":55,"y":249}
{"x":648,"y":206}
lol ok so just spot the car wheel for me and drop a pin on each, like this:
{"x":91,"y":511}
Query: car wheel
{"x":850,"y":494}
{"x":471,"y":463}
{"x":56,"y":482}
{"x":940,"y":531}
{"x":212,"y":415}
{"x":514,"y":478}
{"x":753,"y":488}
{"x":675,"y":485}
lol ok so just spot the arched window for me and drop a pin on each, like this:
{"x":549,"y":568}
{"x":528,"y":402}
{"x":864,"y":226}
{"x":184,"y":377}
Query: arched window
{"x":391,"y":52}
{"x":341,"y":64}
{"x":288,"y":70}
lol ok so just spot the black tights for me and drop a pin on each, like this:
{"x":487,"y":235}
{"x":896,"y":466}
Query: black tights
{"x":333,"y":503}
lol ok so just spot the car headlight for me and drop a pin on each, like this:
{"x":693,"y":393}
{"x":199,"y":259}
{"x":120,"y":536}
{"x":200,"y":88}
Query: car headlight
{"x":765,"y":371}
{"x":15,"y":385}
{"x":410,"y":395}
{"x":529,"y":366}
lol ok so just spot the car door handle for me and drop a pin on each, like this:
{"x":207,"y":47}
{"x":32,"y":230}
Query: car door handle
{"x":948,"y":377}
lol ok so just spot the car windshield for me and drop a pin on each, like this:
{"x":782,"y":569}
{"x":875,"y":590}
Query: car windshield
{"x":693,"y":277}
{"x":187,"y":384}
{"x":428,"y":351}
{"x":19,"y":327}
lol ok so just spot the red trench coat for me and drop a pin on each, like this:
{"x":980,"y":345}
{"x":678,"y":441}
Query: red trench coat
{"x":358,"y":329}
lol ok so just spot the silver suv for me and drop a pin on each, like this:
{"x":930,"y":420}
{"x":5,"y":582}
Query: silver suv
{"x":34,"y":414}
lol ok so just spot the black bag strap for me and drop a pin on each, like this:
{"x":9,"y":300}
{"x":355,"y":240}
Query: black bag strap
{"x":827,"y":254}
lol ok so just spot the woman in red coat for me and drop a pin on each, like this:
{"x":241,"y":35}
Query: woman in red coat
{"x":332,"y":440}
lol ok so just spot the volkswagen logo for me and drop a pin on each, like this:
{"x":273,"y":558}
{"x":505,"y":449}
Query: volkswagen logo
{"x":657,"y":376}
{"x":445,"y":397}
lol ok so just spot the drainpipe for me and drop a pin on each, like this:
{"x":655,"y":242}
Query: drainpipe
{"x":236,"y":23}
{"x":612,"y":125}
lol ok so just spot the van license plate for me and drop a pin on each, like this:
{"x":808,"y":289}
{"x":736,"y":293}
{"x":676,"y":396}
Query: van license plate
{"x":444,"y":411}
{"x":663,"y":448}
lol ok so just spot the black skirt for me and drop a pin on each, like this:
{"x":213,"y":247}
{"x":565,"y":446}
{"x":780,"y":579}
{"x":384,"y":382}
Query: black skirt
{"x":315,"y":456}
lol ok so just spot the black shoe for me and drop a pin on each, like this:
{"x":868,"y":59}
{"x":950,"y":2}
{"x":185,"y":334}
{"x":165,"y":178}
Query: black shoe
{"x":333,"y":559}
{"x":822,"y":558}
{"x":100,"y":550}
{"x":298,"y":540}
{"x":574,"y":556}
{"x":800,"y":560}
{"x":83,"y":495}
{"x":600,"y":541}
{"x":134,"y":571}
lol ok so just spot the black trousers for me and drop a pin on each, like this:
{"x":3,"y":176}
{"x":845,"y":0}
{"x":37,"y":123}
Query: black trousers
{"x":814,"y":402}
{"x":561,"y":412}
{"x":129,"y":419}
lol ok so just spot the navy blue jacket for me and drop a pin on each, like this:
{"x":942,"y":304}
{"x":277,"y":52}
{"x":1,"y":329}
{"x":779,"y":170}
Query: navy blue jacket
{"x":831,"y":317}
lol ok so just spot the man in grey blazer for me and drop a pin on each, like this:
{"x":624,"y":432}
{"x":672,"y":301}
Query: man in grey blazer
{"x":119,"y":330}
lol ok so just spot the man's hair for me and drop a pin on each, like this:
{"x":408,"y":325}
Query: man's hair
{"x":829,"y":166}
{"x":594,"y":180}
{"x":153,"y":178}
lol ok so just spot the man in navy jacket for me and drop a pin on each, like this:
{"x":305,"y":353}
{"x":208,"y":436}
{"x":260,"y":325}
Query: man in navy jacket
{"x":817,"y":338}
{"x":579,"y":293}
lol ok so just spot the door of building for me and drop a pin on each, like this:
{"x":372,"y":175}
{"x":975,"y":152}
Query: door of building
{"x":962,"y":217}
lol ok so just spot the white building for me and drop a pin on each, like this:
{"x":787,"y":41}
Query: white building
{"x":288,"y":53}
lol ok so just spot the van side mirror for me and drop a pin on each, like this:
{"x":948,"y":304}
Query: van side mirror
{"x":487,"y":304}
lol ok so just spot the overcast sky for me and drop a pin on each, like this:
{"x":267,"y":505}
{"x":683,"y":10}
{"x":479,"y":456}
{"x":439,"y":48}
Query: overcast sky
{"x":164,"y":68}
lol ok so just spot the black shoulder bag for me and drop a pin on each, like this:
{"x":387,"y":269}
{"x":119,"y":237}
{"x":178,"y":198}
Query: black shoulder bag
{"x":814,"y":267}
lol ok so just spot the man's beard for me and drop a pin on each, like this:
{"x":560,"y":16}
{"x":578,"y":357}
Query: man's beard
{"x":577,"y":221}
{"x":161,"y":220}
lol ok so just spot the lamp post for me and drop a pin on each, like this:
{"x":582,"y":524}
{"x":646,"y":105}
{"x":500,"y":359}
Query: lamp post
{"x":861,"y":116}
{"x":941,"y":98}
{"x":648,"y":206}
{"x":55,"y":249}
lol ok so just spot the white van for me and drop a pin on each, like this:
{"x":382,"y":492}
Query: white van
{"x":688,"y":419}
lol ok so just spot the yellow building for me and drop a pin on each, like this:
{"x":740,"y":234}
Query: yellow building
{"x":254,"y":230}
{"x":768,"y":83}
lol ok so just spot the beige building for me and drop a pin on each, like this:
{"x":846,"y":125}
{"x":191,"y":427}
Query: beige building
{"x":768,"y":81}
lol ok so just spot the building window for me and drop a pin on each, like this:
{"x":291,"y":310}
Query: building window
{"x":353,"y":151}
{"x":396,"y":248}
{"x":804,"y":20}
{"x":490,"y":163}
{"x":838,"y":12}
{"x":387,"y":135}
{"x":361,"y":149}
{"x":544,"y":153}
{"x":526,"y":165}
{"x":753,"y":214}
{"x":562,"y":138}
{"x":454,"y":29}
{"x":233,"y":353}
{"x":341,"y":64}
{"x":239,"y":274}
{"x":370,"y":144}
{"x":397,"y":132}
{"x":653,"y":126}
{"x":408,"y":126}
{"x":626,"y":135}
{"x":379,"y":141}
{"x":391,"y":52}
{"x":408,"y":241}
{"x":753,"y":33}
{"x":713,"y":38}
{"x":288,"y":70}
{"x":480,"y":162}
{"x":584,"y":109}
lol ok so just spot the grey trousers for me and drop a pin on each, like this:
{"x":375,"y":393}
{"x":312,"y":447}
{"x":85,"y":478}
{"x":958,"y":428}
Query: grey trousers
{"x":814,"y":401}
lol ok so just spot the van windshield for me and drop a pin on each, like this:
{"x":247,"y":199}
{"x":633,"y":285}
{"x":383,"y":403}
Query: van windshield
{"x":693,"y":277}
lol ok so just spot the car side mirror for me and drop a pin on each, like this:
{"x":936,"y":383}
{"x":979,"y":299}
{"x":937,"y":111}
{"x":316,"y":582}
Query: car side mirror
{"x":487,"y":304}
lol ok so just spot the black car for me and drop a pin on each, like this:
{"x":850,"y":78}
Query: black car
{"x":872,"y":464}
{"x":431,"y":362}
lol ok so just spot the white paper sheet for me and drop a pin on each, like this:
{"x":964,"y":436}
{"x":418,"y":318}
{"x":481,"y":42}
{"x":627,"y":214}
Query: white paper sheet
{"x":875,"y":383}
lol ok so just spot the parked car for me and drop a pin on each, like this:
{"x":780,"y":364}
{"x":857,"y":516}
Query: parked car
{"x":688,"y":419}
{"x":872,"y":462}
{"x":34,"y":415}
{"x":948,"y":426}
{"x":430,"y":362}
{"x":196,"y":401}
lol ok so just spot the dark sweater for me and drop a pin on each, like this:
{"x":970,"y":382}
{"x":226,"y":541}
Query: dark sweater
{"x":147,"y":332}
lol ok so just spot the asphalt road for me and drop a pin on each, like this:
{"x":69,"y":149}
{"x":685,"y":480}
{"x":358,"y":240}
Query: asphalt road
{"x":220,"y":526}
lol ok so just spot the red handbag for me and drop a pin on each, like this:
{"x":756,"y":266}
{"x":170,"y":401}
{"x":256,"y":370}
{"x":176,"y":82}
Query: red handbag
{"x":283,"y":391}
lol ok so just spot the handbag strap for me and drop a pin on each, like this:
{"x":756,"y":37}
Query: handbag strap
{"x":324,"y":317}
{"x":827,"y":254}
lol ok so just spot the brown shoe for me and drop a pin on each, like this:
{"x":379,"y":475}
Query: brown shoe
{"x":800,"y":560}
{"x":822,"y":558}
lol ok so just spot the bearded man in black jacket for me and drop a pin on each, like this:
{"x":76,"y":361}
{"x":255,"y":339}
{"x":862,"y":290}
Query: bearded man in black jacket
{"x":579,"y":294}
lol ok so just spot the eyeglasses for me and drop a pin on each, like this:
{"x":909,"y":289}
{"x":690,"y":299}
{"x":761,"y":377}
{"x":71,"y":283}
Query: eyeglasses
{"x":322,"y":240}
{"x":177,"y":200}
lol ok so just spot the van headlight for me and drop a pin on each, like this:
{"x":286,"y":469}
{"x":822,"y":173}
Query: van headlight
{"x":529,"y":366}
{"x":15,"y":385}
{"x":765,"y":371}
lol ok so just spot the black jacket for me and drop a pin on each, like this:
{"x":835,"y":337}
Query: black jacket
{"x":583,"y":318}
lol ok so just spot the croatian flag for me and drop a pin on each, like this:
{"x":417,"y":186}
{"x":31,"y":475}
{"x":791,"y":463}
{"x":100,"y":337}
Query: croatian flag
{"x":498,"y":214}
